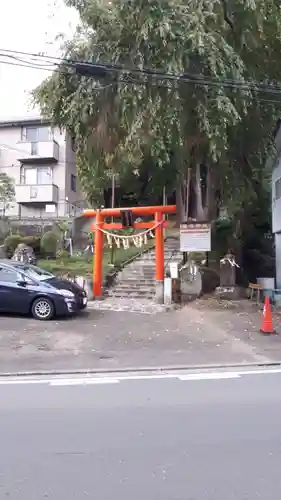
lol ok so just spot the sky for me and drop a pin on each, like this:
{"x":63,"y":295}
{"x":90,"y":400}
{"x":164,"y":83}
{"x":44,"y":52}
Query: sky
{"x":29,"y":26}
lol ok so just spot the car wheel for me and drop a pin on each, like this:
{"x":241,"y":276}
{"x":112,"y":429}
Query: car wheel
{"x":43,"y":309}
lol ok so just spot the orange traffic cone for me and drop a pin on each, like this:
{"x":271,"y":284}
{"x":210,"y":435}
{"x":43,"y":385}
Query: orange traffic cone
{"x":267,"y":326}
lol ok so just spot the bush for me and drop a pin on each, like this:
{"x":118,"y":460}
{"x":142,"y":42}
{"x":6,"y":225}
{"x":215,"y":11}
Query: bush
{"x":34,"y":242}
{"x":13,"y":240}
{"x":49,"y":244}
{"x":10,"y":244}
{"x":62,"y":254}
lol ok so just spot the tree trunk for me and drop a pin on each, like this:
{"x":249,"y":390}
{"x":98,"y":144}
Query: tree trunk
{"x":211,"y":202}
{"x":179,"y":203}
{"x":183,"y":196}
{"x":193,"y":202}
{"x":198,"y":194}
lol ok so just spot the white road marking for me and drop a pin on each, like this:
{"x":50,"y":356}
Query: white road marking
{"x":270,"y":371}
{"x":209,"y":376}
{"x":86,"y":380}
{"x":148,"y":377}
{"x":83,"y":381}
{"x":23,"y":381}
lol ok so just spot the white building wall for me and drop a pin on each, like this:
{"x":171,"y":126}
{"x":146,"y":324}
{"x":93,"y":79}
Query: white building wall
{"x":276,"y":197}
{"x":276,"y":207}
{"x":12,"y":148}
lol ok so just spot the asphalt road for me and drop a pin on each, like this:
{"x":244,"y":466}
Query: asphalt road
{"x":142,"y":440}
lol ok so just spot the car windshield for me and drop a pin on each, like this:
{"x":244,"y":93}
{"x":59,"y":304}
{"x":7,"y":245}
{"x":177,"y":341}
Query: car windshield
{"x":36,"y":272}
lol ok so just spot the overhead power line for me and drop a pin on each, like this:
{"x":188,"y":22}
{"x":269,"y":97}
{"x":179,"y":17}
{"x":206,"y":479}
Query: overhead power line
{"x":98,"y":71}
{"x":90,"y":69}
{"x":133,"y":82}
{"x":30,"y":66}
{"x":108,"y":67}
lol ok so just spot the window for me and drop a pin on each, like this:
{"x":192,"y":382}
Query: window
{"x":30,"y":134}
{"x":73,"y":183}
{"x":278,"y":189}
{"x":36,"y":134}
{"x":44,"y":175}
{"x":30,"y":176}
{"x":37,"y":273}
{"x":37,"y":175}
{"x":8,"y":275}
{"x":73,"y":145}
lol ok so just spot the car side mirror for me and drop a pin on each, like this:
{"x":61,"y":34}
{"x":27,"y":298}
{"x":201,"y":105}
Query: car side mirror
{"x":22,"y":282}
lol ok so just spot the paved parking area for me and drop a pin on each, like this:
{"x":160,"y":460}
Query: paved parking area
{"x":109,"y":340}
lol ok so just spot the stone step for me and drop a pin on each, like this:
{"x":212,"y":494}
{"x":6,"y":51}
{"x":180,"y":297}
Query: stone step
{"x":167,"y":253}
{"x":133,"y":286}
{"x":147,"y":265}
{"x":136,"y":277}
{"x":167,"y":248}
{"x":142,"y":272}
{"x":134,"y":293}
{"x":139,"y":269}
{"x":151,"y":263}
{"x":139,"y":279}
{"x":134,"y":283}
{"x":138,"y":265}
{"x":131,"y":295}
{"x":150,"y":256}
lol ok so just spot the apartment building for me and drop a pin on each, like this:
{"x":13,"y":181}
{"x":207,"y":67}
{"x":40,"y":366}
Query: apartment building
{"x":42,"y":162}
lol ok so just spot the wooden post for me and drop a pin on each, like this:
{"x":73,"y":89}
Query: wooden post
{"x":97,"y":271}
{"x":159,"y":257}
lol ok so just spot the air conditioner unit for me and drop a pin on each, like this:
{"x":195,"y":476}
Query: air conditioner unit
{"x":50,"y":208}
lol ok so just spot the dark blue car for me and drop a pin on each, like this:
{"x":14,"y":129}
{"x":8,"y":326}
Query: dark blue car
{"x":27,"y":289}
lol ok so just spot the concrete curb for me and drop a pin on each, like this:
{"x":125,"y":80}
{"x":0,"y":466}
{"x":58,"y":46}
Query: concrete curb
{"x":142,"y":369}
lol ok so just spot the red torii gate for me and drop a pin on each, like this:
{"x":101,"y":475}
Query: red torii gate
{"x":159,"y":223}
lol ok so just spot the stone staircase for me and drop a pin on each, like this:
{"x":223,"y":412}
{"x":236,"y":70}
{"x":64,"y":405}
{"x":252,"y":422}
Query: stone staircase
{"x":137,"y":279}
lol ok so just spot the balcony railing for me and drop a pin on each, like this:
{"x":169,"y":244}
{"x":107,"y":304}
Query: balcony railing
{"x":39,"y":151}
{"x":36,"y":193}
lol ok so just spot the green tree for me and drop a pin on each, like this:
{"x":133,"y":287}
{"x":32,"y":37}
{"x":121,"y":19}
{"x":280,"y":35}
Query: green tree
{"x":7,"y":190}
{"x":121,"y":119}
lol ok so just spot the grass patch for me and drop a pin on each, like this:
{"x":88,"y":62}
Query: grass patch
{"x":75,"y":266}
{"x":82,"y":266}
